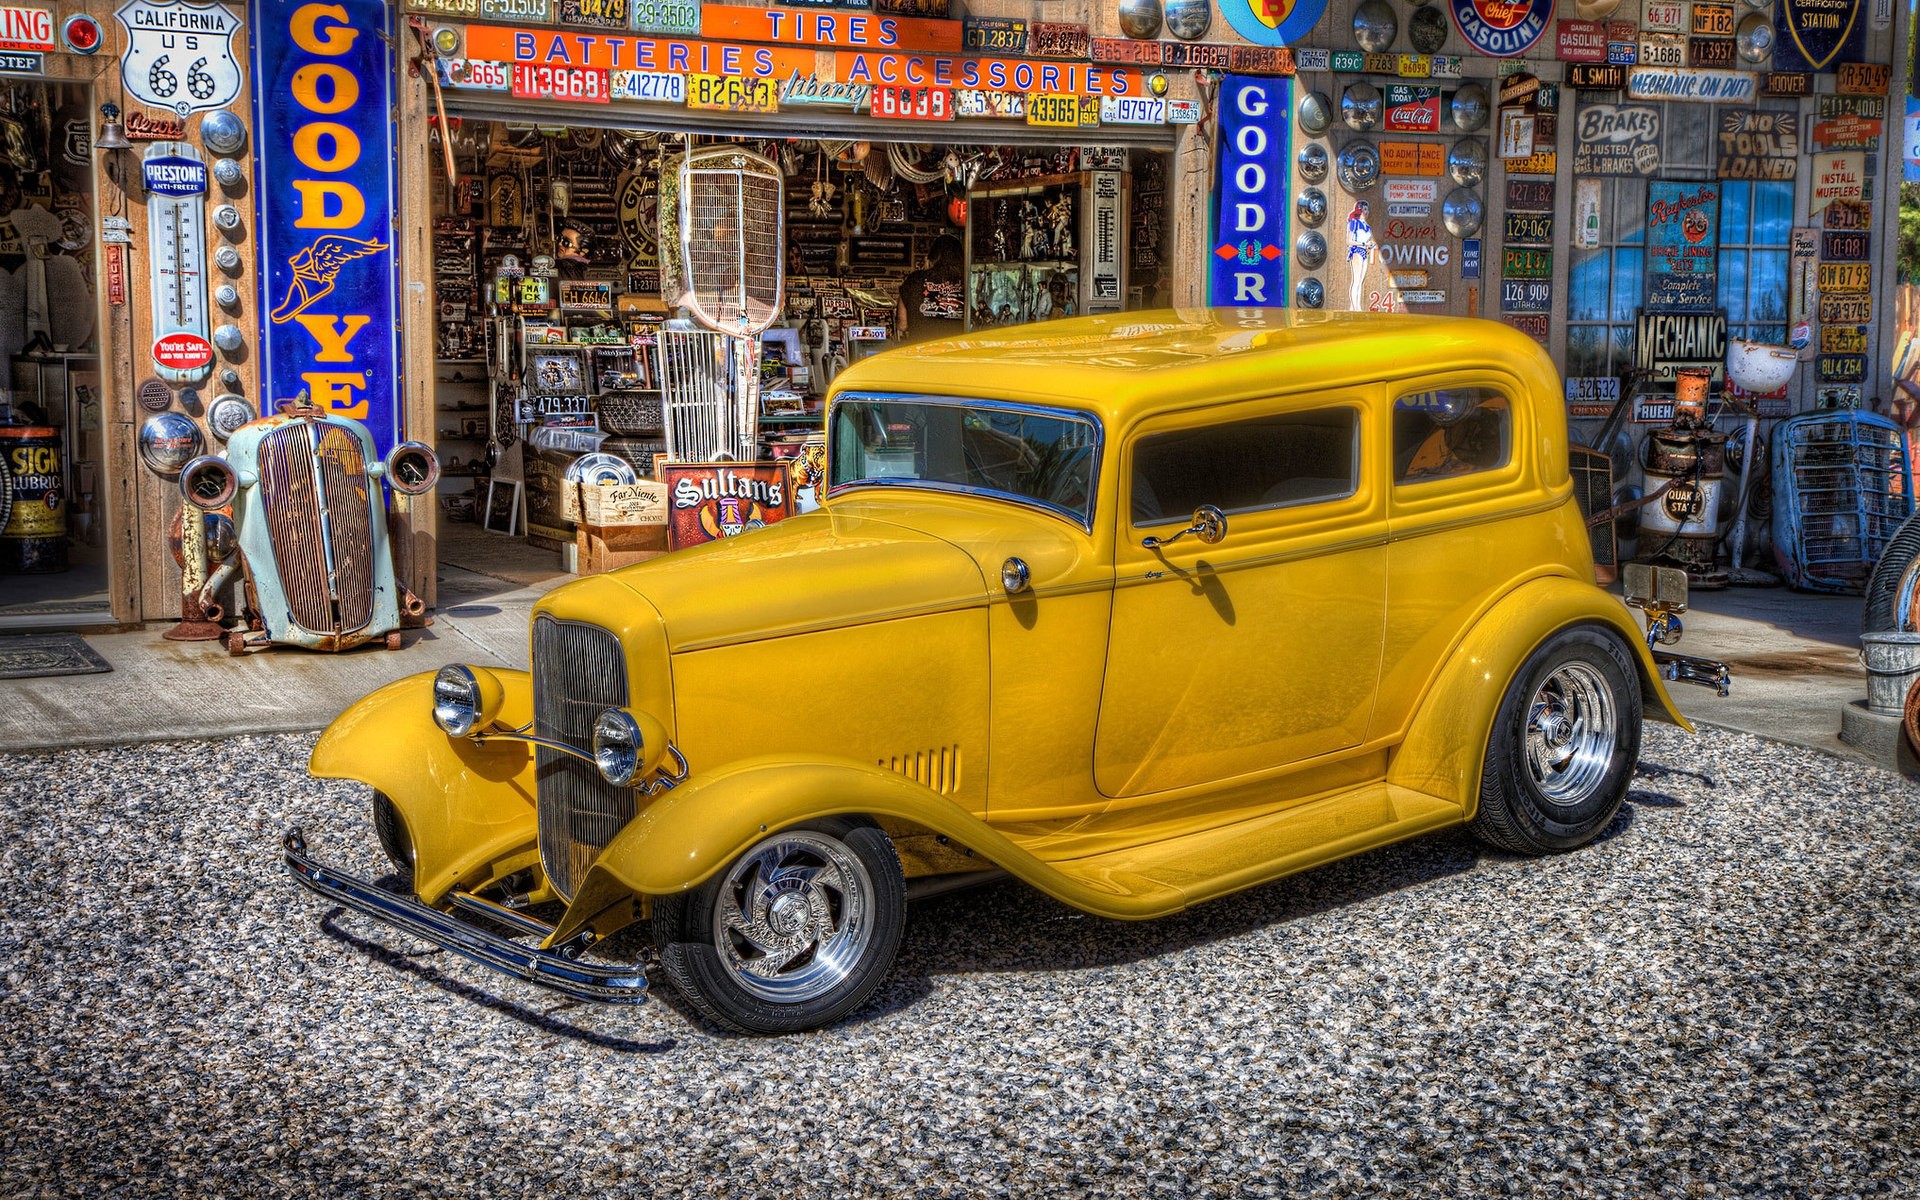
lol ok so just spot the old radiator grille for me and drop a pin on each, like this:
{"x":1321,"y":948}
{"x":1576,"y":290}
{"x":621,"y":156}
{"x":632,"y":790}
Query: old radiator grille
{"x":320,"y":521}
{"x":577,"y":672}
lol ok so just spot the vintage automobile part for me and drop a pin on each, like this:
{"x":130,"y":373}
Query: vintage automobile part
{"x":554,"y":969}
{"x":1661,"y":592}
{"x":798,"y":931}
{"x":1209,"y":525}
{"x":1313,"y":162}
{"x":1469,"y":107}
{"x":168,"y":442}
{"x":1360,"y":106}
{"x":1310,"y":292}
{"x":1892,"y":598}
{"x":1316,"y":113}
{"x":1359,"y":166}
{"x":1467,"y":162}
{"x":1310,"y":248}
{"x":313,"y":527}
{"x":1015,"y":576}
{"x":461,"y":700}
{"x":1462,"y":212}
{"x":1311,"y":207}
{"x":1374,"y":27}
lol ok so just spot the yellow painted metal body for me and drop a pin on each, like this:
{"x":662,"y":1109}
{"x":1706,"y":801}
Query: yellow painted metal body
{"x":1142,"y":728}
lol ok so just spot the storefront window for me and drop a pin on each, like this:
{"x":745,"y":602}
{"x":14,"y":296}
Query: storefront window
{"x":1756,"y":221}
{"x":1606,"y":285}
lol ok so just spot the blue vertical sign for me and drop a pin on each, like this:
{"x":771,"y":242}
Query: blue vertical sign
{"x":1249,"y":261}
{"x":324,"y":166}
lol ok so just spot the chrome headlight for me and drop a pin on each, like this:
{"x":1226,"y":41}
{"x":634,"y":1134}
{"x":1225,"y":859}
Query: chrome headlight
{"x":456,"y":700}
{"x":618,"y":747}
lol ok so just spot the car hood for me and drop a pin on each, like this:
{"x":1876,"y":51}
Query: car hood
{"x":814,"y":571}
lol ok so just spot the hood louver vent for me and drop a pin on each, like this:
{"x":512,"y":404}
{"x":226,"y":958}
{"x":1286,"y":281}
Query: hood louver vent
{"x":936,"y":769}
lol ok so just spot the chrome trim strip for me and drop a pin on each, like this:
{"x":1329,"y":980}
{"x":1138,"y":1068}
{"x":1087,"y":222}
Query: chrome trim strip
{"x":584,"y":981}
{"x":511,"y":918}
{"x":1091,"y":419}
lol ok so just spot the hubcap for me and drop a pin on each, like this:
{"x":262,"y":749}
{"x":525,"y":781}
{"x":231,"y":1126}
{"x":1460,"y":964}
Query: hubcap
{"x":1572,"y":727}
{"x":795,"y":915}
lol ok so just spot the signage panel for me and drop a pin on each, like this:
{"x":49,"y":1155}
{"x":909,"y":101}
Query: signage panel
{"x":180,"y":56}
{"x":1817,"y":35}
{"x":1501,"y":28}
{"x":1759,"y":145}
{"x":1597,"y":78}
{"x":1665,"y":342}
{"x":1617,"y":139}
{"x":1787,"y":83}
{"x":26,"y":29}
{"x":168,"y":176}
{"x":1581,"y":41}
{"x":1248,"y":266}
{"x":327,"y":282}
{"x":1697,"y":85}
{"x":1683,"y":224}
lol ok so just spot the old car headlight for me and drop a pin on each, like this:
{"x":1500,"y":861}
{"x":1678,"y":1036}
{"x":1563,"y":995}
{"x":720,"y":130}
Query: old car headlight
{"x":464,"y":698}
{"x":627,"y":746}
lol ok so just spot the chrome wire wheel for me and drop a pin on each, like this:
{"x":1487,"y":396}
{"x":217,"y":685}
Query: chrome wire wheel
{"x":795,"y":916}
{"x":1572,"y":729}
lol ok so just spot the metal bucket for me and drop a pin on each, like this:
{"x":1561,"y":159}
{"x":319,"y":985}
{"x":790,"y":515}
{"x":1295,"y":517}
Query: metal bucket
{"x":34,"y":541}
{"x":1893,"y":663}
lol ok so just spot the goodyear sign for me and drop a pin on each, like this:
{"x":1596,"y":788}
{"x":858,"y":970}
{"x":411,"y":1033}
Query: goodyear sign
{"x":1249,"y":265}
{"x":324,"y":153}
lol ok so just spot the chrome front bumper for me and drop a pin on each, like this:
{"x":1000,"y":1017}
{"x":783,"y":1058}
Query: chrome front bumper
{"x":585,"y":981}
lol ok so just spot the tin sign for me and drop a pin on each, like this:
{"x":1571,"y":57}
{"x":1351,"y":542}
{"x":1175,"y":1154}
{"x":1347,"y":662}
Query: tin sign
{"x":1412,"y":109}
{"x":1845,"y":277}
{"x":22,"y":62}
{"x":1683,"y":222}
{"x":1664,"y":16}
{"x":1412,"y":191}
{"x":1002,"y":35}
{"x":1759,"y":145}
{"x":658,"y":86}
{"x":1848,"y":132}
{"x":1529,"y":229}
{"x":1698,"y":85}
{"x":180,"y":56}
{"x":174,"y":176}
{"x":1249,"y":259}
{"x":913,"y":103}
{"x":1855,"y":309}
{"x":1183,"y":112}
{"x":26,"y":29}
{"x":1838,"y":177}
{"x":1501,"y":28}
{"x":1132,"y":110}
{"x":1665,"y":342}
{"x":1617,"y":139}
{"x":1814,"y":35}
{"x":681,"y":17}
{"x":1580,"y":41}
{"x":1597,"y":78}
{"x":1786,"y":83}
{"x":732,"y":93}
{"x":1470,"y":258}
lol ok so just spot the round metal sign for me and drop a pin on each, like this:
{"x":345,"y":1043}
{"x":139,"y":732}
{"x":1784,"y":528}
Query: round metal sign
{"x":154,"y":396}
{"x":1360,"y":107}
{"x":1313,"y":162}
{"x":1140,"y":18}
{"x":1427,"y":29}
{"x":1189,"y":20}
{"x":228,"y":413}
{"x":1469,"y":107}
{"x":1462,"y":212}
{"x":1311,"y":207}
{"x":1359,"y":166}
{"x":169,"y":441}
{"x":1467,"y":162}
{"x":1316,"y":112}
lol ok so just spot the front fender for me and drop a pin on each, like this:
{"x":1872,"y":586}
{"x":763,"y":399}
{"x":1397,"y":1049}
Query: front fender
{"x":1445,"y":748}
{"x":466,"y":806}
{"x":684,"y":836}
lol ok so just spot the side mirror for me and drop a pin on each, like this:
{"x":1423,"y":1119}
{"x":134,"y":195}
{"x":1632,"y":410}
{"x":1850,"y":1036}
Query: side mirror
{"x":1209,"y":525}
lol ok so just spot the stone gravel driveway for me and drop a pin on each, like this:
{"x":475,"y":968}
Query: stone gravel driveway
{"x":1720,"y":998}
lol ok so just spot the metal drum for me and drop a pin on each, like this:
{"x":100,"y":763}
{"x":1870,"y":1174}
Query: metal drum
{"x":34,"y":541}
{"x":1682,"y":527}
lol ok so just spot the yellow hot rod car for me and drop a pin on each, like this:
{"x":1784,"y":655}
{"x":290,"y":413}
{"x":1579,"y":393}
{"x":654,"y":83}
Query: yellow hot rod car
{"x":1139,"y":609}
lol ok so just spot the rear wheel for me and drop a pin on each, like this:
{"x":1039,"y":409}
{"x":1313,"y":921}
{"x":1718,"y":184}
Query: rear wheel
{"x":1563,"y":745}
{"x":1881,"y":607}
{"x":794,"y":934}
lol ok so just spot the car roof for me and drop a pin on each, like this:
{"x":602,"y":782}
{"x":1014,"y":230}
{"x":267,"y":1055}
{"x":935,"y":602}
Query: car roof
{"x":1126,"y":365}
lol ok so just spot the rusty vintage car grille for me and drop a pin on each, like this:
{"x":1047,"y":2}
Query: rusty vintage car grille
{"x":578,"y":670}
{"x":313,"y":483}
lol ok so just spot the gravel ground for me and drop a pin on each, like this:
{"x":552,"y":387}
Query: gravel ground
{"x":1720,"y":998}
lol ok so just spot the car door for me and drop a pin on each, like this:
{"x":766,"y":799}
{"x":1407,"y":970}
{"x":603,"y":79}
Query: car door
{"x":1262,"y":649}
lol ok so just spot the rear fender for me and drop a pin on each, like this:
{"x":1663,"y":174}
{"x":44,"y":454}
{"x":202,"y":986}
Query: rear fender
{"x":1445,"y":749}
{"x":466,"y":806}
{"x":683,"y":837}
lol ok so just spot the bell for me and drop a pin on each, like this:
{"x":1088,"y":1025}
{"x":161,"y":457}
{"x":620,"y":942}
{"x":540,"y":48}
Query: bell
{"x":112,"y":136}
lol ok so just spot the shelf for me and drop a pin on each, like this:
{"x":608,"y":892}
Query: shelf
{"x":458,"y":362}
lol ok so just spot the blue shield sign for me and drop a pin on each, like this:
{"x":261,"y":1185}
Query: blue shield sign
{"x":325,"y":161}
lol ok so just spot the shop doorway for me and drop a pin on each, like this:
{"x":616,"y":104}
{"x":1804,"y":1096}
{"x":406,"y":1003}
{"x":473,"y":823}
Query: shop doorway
{"x":53,"y":539}
{"x":566,"y":329}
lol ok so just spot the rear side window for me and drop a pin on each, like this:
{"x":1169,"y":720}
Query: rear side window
{"x":1295,"y":458}
{"x":1448,"y":432}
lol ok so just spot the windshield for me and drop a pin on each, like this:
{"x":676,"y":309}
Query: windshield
{"x":1044,"y":456}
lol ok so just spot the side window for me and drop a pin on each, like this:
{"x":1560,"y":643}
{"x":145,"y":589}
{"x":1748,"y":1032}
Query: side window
{"x":1294,"y":458}
{"x":1449,"y":432}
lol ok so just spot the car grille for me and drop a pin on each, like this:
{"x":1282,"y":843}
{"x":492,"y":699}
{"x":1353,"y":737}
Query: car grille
{"x":578,"y":671}
{"x":313,"y":484}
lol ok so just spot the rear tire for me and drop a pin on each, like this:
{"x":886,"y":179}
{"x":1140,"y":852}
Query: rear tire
{"x":1563,"y":745}
{"x":794,"y":934}
{"x":1877,"y":613}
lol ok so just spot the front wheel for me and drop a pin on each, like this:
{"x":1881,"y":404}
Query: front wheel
{"x":794,"y":934}
{"x":1563,"y":745}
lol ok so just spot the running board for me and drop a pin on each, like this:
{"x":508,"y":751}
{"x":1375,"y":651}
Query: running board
{"x":1165,"y":876}
{"x":585,"y":981}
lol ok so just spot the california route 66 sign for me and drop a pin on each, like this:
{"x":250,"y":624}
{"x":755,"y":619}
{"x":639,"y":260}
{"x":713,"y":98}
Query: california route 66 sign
{"x":180,"y":56}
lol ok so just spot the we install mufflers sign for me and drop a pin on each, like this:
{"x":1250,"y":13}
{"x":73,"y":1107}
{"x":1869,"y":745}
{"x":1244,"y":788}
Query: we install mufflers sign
{"x":324,"y":153}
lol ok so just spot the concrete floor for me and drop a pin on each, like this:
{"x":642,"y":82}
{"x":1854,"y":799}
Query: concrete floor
{"x":1794,"y":656}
